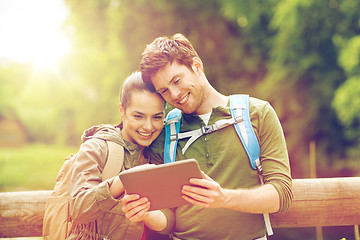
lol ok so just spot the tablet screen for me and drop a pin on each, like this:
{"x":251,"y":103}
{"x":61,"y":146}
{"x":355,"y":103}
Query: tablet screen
{"x":161,"y":184}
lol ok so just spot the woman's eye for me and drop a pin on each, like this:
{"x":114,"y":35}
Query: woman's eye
{"x":163,"y":91}
{"x":137,"y":116}
{"x":177,"y":81}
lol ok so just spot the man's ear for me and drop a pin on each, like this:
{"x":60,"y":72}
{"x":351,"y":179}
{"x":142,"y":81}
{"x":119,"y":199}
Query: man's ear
{"x":197,"y":66}
{"x":121,"y":110}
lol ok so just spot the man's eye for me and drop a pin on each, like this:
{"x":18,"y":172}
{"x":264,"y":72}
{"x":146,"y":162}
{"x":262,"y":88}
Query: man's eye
{"x":177,"y":81}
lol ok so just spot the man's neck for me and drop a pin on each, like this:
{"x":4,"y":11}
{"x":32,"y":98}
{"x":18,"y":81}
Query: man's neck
{"x":212,"y":99}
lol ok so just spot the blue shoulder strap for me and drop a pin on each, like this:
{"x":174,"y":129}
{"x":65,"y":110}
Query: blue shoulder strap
{"x":172,"y":128}
{"x":239,"y":106}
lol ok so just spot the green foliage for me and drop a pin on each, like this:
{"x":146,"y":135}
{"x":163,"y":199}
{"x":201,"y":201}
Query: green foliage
{"x":347,"y":95}
{"x":12,"y":76}
{"x":33,"y":167}
{"x":349,"y":58}
{"x":347,"y":105}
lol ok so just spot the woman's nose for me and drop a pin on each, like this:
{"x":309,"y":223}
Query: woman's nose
{"x":148,"y":125}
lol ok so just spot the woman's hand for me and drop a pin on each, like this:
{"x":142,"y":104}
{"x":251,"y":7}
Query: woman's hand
{"x":134,"y":207}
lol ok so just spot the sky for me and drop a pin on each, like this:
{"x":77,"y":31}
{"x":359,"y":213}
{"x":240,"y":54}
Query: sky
{"x":30,"y":31}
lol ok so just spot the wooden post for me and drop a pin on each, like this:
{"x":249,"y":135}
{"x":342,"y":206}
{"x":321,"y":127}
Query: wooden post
{"x":21,"y":213}
{"x":312,"y":158}
{"x":321,"y":201}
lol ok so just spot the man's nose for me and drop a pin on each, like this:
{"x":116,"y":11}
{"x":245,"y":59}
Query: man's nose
{"x":175,"y":92}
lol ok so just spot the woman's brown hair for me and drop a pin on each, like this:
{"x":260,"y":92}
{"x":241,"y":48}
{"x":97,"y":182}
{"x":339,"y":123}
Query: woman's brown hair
{"x":134,"y":83}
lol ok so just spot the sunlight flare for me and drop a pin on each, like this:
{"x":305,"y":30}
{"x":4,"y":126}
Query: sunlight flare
{"x":31,"y":32}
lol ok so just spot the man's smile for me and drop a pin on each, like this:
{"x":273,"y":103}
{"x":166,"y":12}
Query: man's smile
{"x":184,"y":99}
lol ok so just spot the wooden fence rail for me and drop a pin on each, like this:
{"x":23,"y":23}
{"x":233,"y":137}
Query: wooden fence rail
{"x":317,"y":202}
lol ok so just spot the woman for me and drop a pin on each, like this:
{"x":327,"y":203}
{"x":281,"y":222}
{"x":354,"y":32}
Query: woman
{"x":95,"y":204}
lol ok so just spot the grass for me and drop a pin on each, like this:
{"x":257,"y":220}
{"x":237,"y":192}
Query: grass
{"x":33,"y":167}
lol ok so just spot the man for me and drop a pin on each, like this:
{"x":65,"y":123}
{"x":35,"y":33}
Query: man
{"x":229,"y":201}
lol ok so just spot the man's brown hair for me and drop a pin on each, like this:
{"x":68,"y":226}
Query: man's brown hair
{"x":164,"y":50}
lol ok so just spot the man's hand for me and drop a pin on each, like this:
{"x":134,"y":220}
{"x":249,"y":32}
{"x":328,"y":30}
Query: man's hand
{"x":135,"y":208}
{"x":205,"y":193}
{"x":209,"y":194}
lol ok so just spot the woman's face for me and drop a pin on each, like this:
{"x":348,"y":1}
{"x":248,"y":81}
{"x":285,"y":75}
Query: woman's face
{"x":143,"y":118}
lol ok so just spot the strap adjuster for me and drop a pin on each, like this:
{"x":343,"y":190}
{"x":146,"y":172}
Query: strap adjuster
{"x":239,"y":119}
{"x":174,"y":137}
{"x":207,"y":129}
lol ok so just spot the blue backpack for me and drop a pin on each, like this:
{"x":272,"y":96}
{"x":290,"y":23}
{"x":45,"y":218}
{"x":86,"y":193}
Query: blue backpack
{"x":239,"y":108}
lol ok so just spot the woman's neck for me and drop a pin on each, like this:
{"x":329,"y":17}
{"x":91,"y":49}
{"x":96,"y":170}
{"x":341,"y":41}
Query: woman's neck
{"x":143,"y":158}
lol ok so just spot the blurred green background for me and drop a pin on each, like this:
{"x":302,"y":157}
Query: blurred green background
{"x":301,"y":55}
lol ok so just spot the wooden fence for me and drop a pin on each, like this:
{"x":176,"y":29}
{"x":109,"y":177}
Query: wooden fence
{"x":317,"y":202}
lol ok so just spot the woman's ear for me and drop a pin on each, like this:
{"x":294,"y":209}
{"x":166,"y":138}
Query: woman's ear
{"x":121,"y":110}
{"x":197,"y":66}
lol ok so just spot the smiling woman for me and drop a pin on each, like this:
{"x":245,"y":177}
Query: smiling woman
{"x":30,"y":31}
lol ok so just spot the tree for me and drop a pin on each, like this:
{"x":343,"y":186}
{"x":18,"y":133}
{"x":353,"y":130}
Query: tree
{"x":347,"y":96}
{"x":302,"y":67}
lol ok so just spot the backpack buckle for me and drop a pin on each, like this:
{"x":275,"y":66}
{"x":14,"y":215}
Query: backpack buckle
{"x":239,"y":119}
{"x":207,"y":129}
{"x":174,"y":137}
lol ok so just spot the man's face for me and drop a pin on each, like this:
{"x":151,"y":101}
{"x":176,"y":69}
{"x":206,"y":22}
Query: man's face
{"x":179,"y":86}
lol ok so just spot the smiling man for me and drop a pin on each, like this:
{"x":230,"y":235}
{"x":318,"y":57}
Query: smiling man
{"x":229,"y":201}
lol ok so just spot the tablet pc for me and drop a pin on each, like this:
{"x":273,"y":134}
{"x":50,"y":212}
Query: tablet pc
{"x":161,"y":184}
